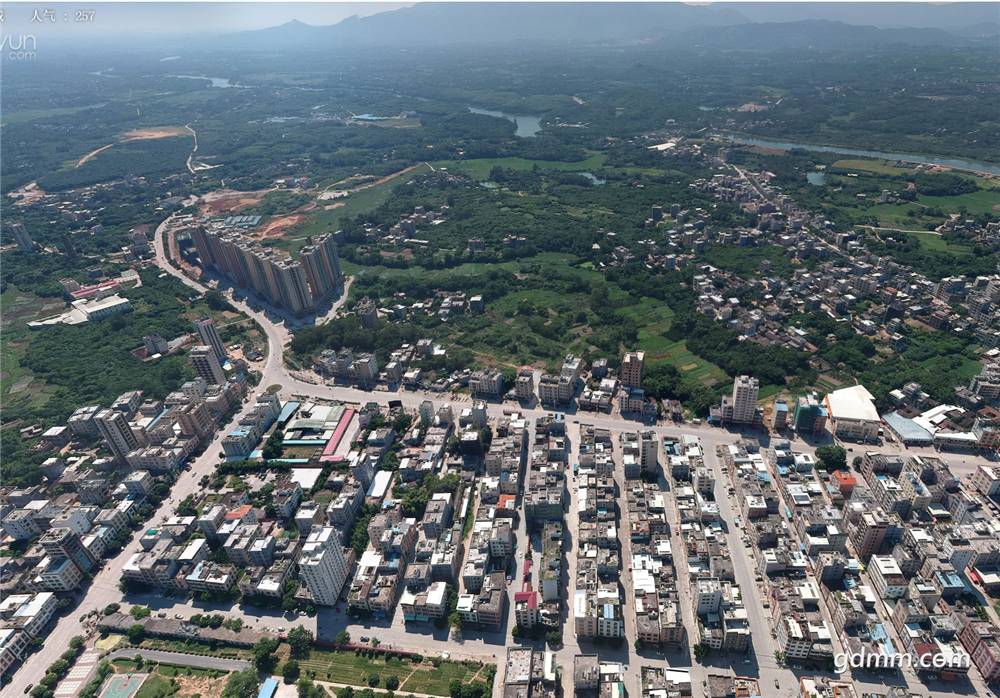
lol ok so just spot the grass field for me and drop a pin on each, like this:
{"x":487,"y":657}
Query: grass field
{"x":480,"y":168}
{"x":913,"y":215}
{"x":654,"y":319}
{"x":895,"y":216}
{"x":196,"y":647}
{"x":155,"y":686}
{"x":17,"y":117}
{"x":323,"y":221}
{"x":16,"y":382}
{"x":513,"y":339}
{"x":348,"y":668}
{"x":562,"y":260}
{"x":876,"y":166}
{"x":976,"y":202}
{"x":106,"y":644}
{"x":689,"y":364}
{"x":936,"y":243}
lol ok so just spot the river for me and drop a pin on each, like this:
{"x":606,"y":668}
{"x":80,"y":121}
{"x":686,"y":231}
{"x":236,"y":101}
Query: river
{"x":954,"y":163}
{"x":526,"y":126}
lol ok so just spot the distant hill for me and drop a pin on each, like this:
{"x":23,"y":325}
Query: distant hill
{"x":476,"y":23}
{"x":918,"y":15}
{"x":817,"y":34}
{"x":722,"y":25}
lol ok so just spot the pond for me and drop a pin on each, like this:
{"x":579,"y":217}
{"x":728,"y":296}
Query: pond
{"x":526,"y":126}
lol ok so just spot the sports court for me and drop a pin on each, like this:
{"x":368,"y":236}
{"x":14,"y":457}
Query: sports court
{"x":122,"y":685}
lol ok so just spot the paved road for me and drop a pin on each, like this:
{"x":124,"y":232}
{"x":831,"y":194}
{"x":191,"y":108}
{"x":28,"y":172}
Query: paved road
{"x":181,"y":659}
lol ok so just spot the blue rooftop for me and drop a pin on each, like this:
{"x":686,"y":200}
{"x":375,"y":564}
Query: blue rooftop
{"x":907,"y":429}
{"x":287,"y":410}
{"x":268,"y":688}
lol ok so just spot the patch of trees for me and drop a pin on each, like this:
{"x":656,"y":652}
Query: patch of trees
{"x":359,"y":531}
{"x":831,"y":458}
{"x":274,"y":446}
{"x":720,"y":345}
{"x":414,"y":500}
{"x":944,"y":184}
{"x":241,"y":684}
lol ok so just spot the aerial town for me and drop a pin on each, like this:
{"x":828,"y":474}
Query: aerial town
{"x":566,"y":526}
{"x":342,"y":387}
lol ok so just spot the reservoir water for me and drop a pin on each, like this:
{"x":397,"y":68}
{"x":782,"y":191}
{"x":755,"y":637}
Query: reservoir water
{"x":526,"y":126}
{"x":216,"y":82}
{"x":943,"y":161}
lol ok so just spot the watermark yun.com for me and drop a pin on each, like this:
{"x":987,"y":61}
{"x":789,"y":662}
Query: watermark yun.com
{"x":18,"y":47}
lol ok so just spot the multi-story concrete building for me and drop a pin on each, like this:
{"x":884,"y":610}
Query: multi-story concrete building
{"x":66,"y":542}
{"x":323,"y":567}
{"x":295,"y":285}
{"x":82,"y":423}
{"x":24,"y":242}
{"x":20,"y":524}
{"x":322,"y":265}
{"x":206,"y":364}
{"x":486,"y":383}
{"x":210,"y":336}
{"x":524,"y":385}
{"x":631,"y":369}
{"x":744,"y":398}
{"x":986,"y":479}
{"x":117,"y":433}
{"x":870,"y":533}
{"x":56,"y":574}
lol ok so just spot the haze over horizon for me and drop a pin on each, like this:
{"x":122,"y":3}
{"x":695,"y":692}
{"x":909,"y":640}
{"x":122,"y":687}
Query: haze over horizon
{"x":166,"y":19}
{"x":181,"y":18}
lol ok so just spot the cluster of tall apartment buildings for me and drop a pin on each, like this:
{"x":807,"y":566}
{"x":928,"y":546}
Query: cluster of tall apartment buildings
{"x":298,"y":285}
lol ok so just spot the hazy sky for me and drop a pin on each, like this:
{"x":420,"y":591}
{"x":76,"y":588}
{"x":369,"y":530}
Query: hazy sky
{"x":178,"y":17}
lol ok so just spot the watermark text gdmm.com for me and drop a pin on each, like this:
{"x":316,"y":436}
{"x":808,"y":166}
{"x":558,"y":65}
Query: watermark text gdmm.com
{"x":901,"y":660}
{"x":18,"y":47}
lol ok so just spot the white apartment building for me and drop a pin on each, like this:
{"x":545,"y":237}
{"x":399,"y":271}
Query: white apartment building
{"x":745,"y":390}
{"x":887,"y":577}
{"x":323,"y":567}
{"x":57,"y":574}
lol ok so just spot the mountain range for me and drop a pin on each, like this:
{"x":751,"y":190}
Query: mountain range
{"x":722,"y":25}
